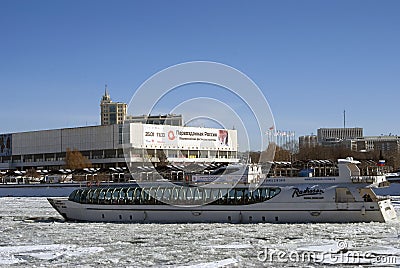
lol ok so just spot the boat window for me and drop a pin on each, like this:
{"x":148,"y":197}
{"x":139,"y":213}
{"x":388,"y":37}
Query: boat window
{"x":175,"y":193}
{"x":115,"y":196}
{"x":144,"y":196}
{"x":137,"y":194}
{"x":271,"y":193}
{"x":189,"y":195}
{"x":151,"y":195}
{"x":95,"y":197}
{"x":166,"y":194}
{"x":129,"y":195}
{"x":255,"y":196}
{"x":207,"y":195}
{"x":107,"y":198}
{"x":264,"y":194}
{"x":239,"y":196}
{"x":77,"y":197}
{"x":74,"y":196}
{"x":83,"y":196}
{"x":102,"y":196}
{"x":246,"y":196}
{"x":122,"y":196}
{"x":159,"y":194}
{"x":89,"y":196}
{"x":182,"y":195}
{"x":71,"y":195}
{"x":214,"y":195}
{"x":122,"y":193}
{"x":198,"y":196}
{"x":223,"y":196}
{"x":231,"y":197}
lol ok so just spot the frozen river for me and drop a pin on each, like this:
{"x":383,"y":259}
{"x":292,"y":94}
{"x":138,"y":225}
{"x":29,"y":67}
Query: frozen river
{"x":33,"y":234}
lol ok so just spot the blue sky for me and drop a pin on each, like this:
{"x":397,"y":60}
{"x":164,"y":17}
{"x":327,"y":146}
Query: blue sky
{"x":311,"y":59}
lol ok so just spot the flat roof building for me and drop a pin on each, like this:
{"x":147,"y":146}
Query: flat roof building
{"x":120,"y":141}
{"x":112,"y":145}
{"x":334,"y":135}
{"x":378,"y":143}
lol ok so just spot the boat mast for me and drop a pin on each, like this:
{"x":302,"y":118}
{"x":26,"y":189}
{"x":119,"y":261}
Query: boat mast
{"x":344,"y":118}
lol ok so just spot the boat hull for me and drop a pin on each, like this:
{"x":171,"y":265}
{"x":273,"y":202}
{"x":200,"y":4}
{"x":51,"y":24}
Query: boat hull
{"x":381,"y":211}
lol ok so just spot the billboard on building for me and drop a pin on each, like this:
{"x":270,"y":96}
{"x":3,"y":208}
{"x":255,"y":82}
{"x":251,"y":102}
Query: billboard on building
{"x":178,"y":136}
{"x":5,"y":144}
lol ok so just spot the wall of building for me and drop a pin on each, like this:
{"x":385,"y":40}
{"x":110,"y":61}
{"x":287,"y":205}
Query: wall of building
{"x":103,"y":145}
{"x":59,"y":140}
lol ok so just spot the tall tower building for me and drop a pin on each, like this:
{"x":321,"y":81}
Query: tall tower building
{"x":111,"y":112}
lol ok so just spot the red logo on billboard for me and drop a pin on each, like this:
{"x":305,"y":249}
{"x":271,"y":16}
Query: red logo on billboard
{"x":171,"y":135}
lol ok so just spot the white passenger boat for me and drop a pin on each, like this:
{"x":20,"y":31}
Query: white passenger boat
{"x":346,"y":198}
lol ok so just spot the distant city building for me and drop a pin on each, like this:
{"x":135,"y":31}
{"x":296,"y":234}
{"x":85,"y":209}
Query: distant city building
{"x":308,"y":141}
{"x":116,"y":113}
{"x":377,"y":143}
{"x":351,"y":138}
{"x":332,"y":136}
{"x":111,"y":112}
{"x":283,"y":138}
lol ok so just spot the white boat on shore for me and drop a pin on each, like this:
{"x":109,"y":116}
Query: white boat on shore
{"x":348,"y":197}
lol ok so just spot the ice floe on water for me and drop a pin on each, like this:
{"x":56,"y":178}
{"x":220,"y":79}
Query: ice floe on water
{"x":33,"y":234}
{"x":231,"y":246}
{"x":222,"y":263}
{"x":340,"y":253}
{"x":25,"y":253}
{"x":329,"y":246}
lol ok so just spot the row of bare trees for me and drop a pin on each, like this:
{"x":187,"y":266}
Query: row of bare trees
{"x":331,"y":153}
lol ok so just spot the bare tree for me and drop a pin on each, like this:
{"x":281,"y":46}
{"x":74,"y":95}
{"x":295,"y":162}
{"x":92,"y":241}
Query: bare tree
{"x":32,"y":173}
{"x":75,"y":160}
{"x":282,"y":155}
{"x":254,"y":156}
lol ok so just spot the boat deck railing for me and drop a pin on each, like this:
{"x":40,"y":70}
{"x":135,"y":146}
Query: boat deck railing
{"x":383,"y":197}
{"x":363,"y":179}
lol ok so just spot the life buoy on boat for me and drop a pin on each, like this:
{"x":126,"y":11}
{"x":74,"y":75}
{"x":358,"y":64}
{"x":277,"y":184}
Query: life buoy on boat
{"x":362,"y":210}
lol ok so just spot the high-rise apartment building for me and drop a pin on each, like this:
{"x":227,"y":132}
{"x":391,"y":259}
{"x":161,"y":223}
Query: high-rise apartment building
{"x":308,"y":141}
{"x":112,"y":112}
